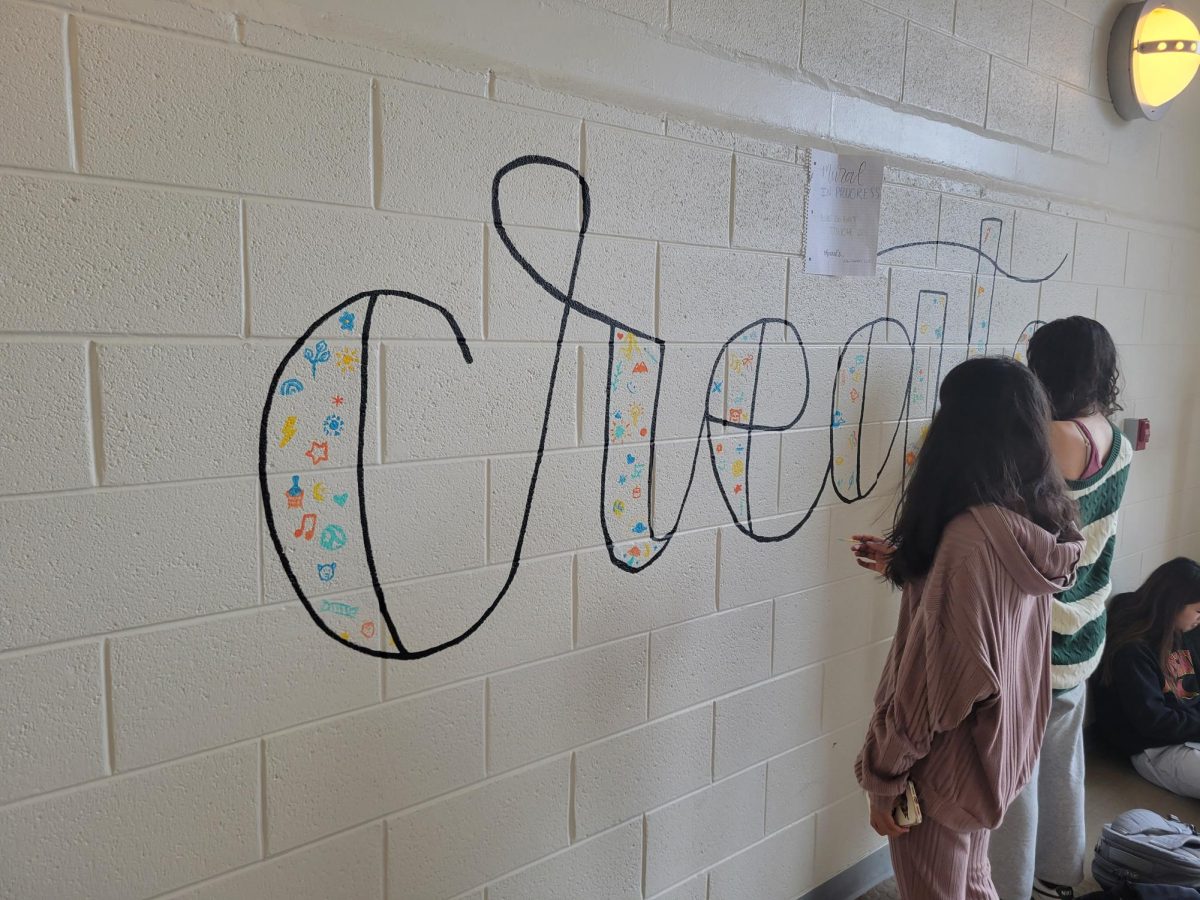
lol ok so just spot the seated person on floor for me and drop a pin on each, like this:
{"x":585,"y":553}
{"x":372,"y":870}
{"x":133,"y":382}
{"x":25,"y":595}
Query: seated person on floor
{"x":1147,"y":693}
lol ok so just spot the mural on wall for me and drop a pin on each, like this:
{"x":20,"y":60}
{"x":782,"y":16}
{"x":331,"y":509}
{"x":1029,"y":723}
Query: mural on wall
{"x":311,"y":454}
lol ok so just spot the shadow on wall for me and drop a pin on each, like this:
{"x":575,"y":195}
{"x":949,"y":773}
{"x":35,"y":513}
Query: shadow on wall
{"x":326,"y":546}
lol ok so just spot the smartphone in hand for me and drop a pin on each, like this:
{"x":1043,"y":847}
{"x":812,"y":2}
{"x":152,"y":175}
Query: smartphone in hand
{"x":907,"y":811}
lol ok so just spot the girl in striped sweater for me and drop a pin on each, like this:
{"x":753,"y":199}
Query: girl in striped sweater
{"x":1039,"y":849}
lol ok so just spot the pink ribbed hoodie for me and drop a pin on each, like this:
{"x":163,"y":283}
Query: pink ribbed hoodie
{"x":964,"y":696}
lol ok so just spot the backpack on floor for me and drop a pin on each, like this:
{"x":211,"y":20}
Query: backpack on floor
{"x":1142,"y":847}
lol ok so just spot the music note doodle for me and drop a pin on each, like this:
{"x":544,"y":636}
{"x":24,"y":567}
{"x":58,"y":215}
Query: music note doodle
{"x":309,"y":520}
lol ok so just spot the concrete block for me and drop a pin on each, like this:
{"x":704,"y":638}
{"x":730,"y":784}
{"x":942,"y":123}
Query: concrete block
{"x":442,"y":150}
{"x":766,"y":720}
{"x":704,"y":658}
{"x":1041,"y":243}
{"x":1082,"y":125}
{"x":1149,"y":261}
{"x":356,"y":767}
{"x":681,"y":584}
{"x":711,"y":295}
{"x":33,"y":108}
{"x":813,"y":625}
{"x":1100,"y":252}
{"x":533,"y":621}
{"x":970,"y":222}
{"x":620,"y":777}
{"x":778,"y":868}
{"x":616,"y":277}
{"x":844,"y":836}
{"x":149,"y":102}
{"x":1121,"y":311}
{"x":767,"y":29}
{"x":752,"y":571}
{"x":467,"y":410}
{"x":118,"y":260}
{"x":203,"y":685}
{"x":43,"y":388}
{"x":607,"y":867}
{"x":546,"y":707}
{"x":563,"y":516}
{"x":1060,"y":44}
{"x":703,"y":828}
{"x":349,"y":865}
{"x":1060,"y":300}
{"x":304,"y":260}
{"x":828,"y":309}
{"x":813,"y":776}
{"x":1000,"y":27}
{"x":945,"y":75}
{"x":854,"y":44}
{"x":644,"y":186}
{"x":849,"y":685}
{"x":51,"y":706}
{"x":449,"y":846}
{"x":907,"y":215}
{"x":80,"y":843}
{"x":769,"y":204}
{"x":1021,"y":103}
{"x":81,"y":563}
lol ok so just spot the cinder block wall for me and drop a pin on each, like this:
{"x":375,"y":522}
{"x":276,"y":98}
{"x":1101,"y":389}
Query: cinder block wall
{"x":185,"y":188}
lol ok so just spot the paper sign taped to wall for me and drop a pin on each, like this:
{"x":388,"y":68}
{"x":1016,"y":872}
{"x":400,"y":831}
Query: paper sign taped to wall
{"x":842,"y":232}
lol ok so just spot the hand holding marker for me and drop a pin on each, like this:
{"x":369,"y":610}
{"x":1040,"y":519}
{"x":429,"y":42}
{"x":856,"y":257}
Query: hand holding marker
{"x":871,"y":552}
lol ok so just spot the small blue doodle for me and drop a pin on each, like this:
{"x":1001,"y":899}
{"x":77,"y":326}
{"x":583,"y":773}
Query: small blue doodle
{"x":640,"y":528}
{"x":346,"y":320}
{"x":838,"y":419}
{"x":716,"y":388}
{"x":326,"y":571}
{"x":317,"y":355}
{"x":630,"y":459}
{"x":333,"y":537}
{"x":291,"y":386}
{"x":341,"y":609}
{"x":334,"y":425}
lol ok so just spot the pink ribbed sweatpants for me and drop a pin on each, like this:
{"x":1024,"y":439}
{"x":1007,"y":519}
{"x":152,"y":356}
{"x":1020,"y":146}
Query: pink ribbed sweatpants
{"x":934,"y":863}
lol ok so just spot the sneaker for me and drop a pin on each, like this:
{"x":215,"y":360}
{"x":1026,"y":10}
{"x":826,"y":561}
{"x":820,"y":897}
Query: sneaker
{"x":1044,"y":889}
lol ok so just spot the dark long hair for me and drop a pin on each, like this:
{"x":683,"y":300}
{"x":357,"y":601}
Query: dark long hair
{"x":1148,"y":614}
{"x":1076,"y":361}
{"x":989,"y":443}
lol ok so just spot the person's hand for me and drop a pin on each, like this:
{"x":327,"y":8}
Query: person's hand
{"x":871,"y":552}
{"x":881,"y":816}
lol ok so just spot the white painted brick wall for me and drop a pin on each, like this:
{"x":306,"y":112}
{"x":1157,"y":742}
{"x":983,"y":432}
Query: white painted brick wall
{"x":187,"y":188}
{"x":648,"y":766}
{"x":171,"y":268}
{"x":32,"y":112}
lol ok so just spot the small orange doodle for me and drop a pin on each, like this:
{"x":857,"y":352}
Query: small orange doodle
{"x":368,"y":629}
{"x":318,"y":452}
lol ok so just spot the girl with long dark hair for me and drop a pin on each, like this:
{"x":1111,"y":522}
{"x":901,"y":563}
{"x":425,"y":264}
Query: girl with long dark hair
{"x":1148,"y":696}
{"x":983,"y":536}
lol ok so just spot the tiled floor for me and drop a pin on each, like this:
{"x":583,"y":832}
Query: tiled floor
{"x":1112,"y":788}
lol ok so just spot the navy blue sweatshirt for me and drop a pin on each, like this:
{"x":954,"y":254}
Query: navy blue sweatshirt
{"x":1135,"y":713}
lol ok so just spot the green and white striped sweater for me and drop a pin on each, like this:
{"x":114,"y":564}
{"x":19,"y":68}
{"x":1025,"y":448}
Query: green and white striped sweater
{"x":1079,"y":614}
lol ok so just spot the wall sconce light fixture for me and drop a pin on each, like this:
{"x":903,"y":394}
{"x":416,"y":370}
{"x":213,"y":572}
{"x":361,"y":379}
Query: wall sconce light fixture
{"x":1153,"y":54}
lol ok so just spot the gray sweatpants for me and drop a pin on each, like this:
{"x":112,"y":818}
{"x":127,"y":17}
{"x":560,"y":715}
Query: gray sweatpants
{"x":1176,"y":768}
{"x":1044,"y":832}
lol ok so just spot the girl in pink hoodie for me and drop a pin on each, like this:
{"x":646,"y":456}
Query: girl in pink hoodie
{"x":983,"y":537}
